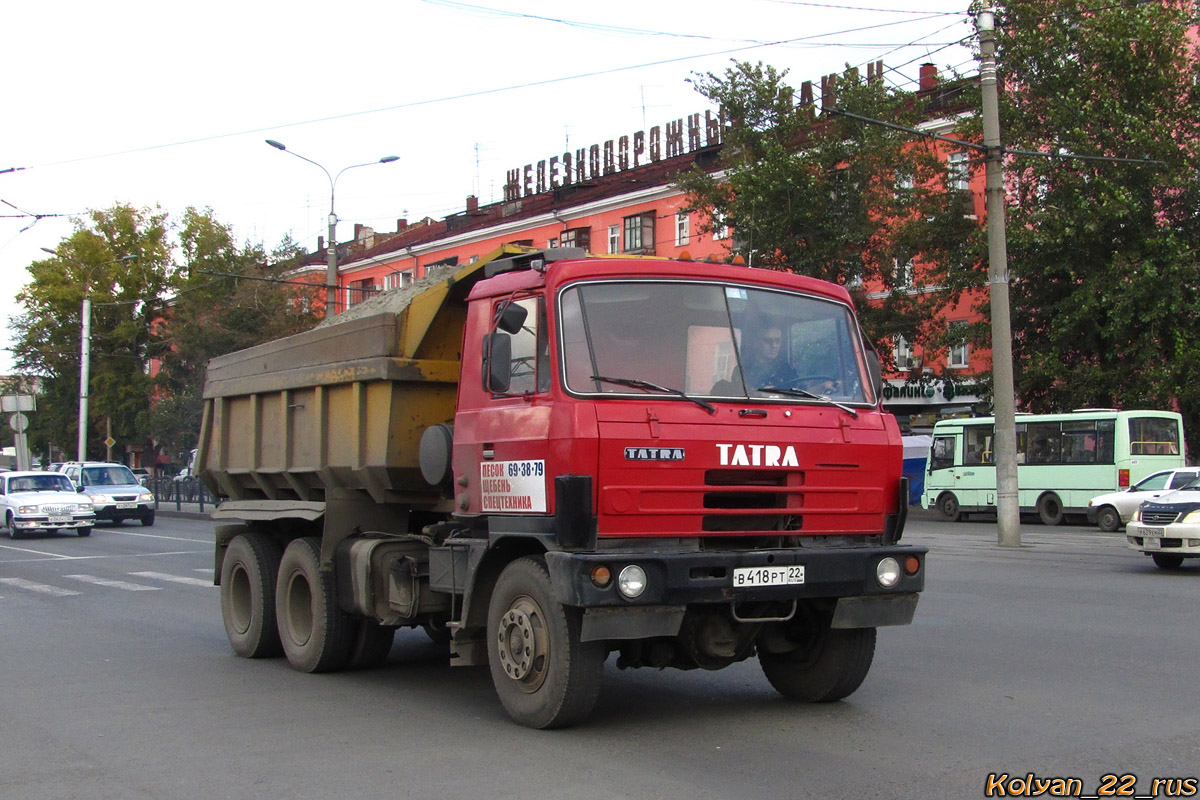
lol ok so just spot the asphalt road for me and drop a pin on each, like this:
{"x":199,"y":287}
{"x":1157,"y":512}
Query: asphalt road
{"x":1069,"y":657}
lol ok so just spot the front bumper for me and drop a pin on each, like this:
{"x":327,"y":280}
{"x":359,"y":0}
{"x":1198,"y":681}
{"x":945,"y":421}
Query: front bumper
{"x":42,"y":522}
{"x":681,"y":579}
{"x":112,"y":511}
{"x":1176,"y":539}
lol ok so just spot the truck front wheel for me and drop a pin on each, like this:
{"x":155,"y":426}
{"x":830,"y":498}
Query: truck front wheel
{"x":248,"y":576}
{"x":316,"y":634}
{"x":828,"y":666}
{"x":545,"y":676}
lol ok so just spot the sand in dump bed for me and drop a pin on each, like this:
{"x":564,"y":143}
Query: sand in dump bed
{"x":393,"y":300}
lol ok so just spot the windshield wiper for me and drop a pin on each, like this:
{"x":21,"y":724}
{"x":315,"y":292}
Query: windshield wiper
{"x":636,"y":383}
{"x":809,"y":395}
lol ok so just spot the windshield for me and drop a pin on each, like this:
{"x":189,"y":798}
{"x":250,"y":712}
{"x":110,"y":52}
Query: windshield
{"x":711,"y":340}
{"x":107,"y":476}
{"x":40,"y":483}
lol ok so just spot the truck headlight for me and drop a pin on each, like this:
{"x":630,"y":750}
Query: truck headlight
{"x":1193,"y":517}
{"x":632,"y":581}
{"x":145,"y":497}
{"x":98,"y":498}
{"x":887,"y":572}
{"x":1137,"y":515}
{"x":27,"y":509}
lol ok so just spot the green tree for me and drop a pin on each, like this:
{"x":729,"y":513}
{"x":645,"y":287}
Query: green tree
{"x":1104,"y":255}
{"x":225,"y":299}
{"x":119,"y":257}
{"x":839,"y":198}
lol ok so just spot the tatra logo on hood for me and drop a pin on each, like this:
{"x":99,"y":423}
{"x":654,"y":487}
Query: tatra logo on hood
{"x":654,"y":453}
{"x":757,"y":455}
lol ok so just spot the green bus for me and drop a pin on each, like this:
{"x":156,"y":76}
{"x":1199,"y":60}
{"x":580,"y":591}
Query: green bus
{"x":1063,"y":460}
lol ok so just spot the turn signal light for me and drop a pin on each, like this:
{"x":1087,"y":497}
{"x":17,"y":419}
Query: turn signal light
{"x":601,"y":576}
{"x":1123,"y":478}
{"x":912,"y":565}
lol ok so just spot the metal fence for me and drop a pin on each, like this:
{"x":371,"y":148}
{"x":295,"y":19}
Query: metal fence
{"x":175,"y":492}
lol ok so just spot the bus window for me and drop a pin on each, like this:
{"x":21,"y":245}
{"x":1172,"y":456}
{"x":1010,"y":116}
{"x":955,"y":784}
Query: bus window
{"x":942,"y":454}
{"x":1044,"y":442}
{"x":977,"y":445}
{"x":1153,"y":436}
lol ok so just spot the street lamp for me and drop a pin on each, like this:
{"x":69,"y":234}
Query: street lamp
{"x":85,"y":348}
{"x":331,"y":273}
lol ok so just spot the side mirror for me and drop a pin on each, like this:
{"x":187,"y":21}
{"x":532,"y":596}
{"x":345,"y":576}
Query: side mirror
{"x":875,"y":370}
{"x":511,"y":317}
{"x":497,"y":362}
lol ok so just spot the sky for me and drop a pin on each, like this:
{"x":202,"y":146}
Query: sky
{"x":167,"y":105}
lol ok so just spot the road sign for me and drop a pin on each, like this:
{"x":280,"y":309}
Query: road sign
{"x":109,"y":442}
{"x":18,"y":422}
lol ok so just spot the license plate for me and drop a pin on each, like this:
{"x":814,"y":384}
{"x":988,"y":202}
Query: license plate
{"x":60,"y":520}
{"x":1152,"y":543}
{"x":768,"y":576}
{"x":1154,"y":531}
{"x":126,"y":505}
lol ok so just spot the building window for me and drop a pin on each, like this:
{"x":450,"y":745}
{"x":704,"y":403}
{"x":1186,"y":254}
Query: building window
{"x":614,"y":238}
{"x":960,"y":351}
{"x":360,"y":290}
{"x":576,"y":237}
{"x":902,"y":351}
{"x":903,"y":274}
{"x":904,"y":184}
{"x":397,"y":280}
{"x":683,"y":229}
{"x":639,"y":233}
{"x":553,"y":242}
{"x":720,"y":231}
{"x":958,"y":171}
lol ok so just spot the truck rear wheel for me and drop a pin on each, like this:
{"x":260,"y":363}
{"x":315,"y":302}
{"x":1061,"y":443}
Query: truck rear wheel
{"x":315,"y":633}
{"x":248,"y":575}
{"x":827,"y":667}
{"x":370,"y":645}
{"x":545,"y":676}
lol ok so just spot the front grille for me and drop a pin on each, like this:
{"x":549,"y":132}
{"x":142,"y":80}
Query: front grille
{"x":120,"y":498}
{"x":1176,"y":543}
{"x":57,"y":509}
{"x":1159,"y":517}
{"x":752,"y":500}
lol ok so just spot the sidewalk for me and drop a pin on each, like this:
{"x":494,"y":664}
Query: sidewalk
{"x":169,"y":508}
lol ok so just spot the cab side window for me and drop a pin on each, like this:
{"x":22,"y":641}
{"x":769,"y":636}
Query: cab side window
{"x":531,"y":351}
{"x":942,"y":454}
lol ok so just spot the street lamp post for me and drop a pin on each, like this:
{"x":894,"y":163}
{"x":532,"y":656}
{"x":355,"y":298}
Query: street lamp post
{"x":331,"y":269}
{"x":85,"y":350}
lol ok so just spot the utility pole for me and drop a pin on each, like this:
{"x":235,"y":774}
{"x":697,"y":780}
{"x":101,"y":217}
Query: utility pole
{"x":1004,"y":395}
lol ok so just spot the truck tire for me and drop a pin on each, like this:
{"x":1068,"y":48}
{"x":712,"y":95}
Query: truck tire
{"x":370,"y":645}
{"x":545,"y":676}
{"x":248,"y":576}
{"x":1167,"y":560}
{"x":315,"y":633}
{"x":1050,"y":509}
{"x":827,"y":668}
{"x":1108,"y":519}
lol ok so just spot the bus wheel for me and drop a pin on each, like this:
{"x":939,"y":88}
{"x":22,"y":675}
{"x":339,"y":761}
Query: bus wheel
{"x":1168,"y":560}
{"x":1108,"y":519}
{"x":948,"y":505}
{"x":1050,"y":509}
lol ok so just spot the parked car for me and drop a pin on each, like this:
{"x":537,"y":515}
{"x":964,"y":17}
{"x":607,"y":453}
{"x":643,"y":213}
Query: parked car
{"x":142,"y":474}
{"x":1114,"y":509}
{"x":1167,"y":528}
{"x":114,"y":491}
{"x":43,"y":501}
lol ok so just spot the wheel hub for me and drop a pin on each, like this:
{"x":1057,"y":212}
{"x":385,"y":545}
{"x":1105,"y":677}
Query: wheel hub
{"x":522,"y":643}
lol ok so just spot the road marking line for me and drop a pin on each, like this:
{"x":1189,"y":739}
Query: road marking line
{"x":21,"y":583}
{"x":36,"y":552}
{"x":155,"y":536}
{"x":164,"y":576}
{"x":119,"y":556}
{"x":126,"y":585}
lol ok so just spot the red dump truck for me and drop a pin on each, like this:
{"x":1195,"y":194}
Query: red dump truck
{"x":545,"y":458}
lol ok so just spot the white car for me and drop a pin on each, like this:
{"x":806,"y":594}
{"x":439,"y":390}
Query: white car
{"x":43,"y":501}
{"x":1111,"y":511}
{"x":1168,"y":527}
